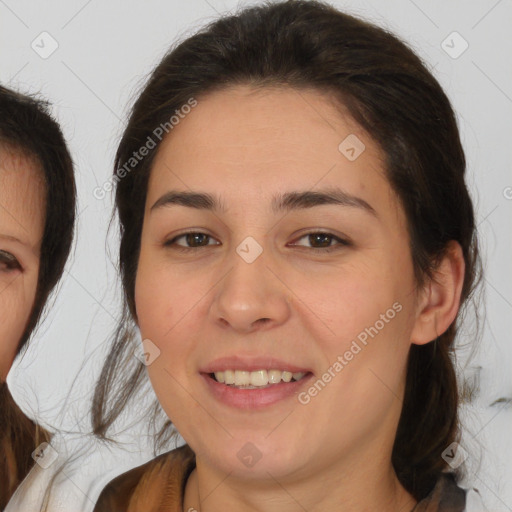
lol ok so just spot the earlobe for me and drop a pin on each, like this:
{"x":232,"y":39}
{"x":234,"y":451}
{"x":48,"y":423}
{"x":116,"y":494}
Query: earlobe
{"x":440,"y":299}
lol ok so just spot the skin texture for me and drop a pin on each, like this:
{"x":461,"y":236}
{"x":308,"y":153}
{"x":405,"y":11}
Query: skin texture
{"x":334,"y":452}
{"x":21,"y":230}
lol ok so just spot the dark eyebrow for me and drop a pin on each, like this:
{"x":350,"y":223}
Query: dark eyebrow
{"x":24,"y":243}
{"x":282,"y":202}
{"x":13,"y":239}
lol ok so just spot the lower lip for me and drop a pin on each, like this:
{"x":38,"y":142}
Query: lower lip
{"x":254,"y":398}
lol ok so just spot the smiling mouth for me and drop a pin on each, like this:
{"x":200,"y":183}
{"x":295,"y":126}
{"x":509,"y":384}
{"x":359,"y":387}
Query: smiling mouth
{"x":259,"y":379}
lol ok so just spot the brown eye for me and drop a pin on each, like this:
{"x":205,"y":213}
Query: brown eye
{"x":8,"y":262}
{"x":193,"y":240}
{"x":323,"y":241}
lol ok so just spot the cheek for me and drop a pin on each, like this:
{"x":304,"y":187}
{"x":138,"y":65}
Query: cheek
{"x":164,"y":303}
{"x":16,"y":301}
{"x":343,"y":304}
{"x":360,"y":384}
{"x":362,"y":320}
{"x":10,"y":334}
{"x":159,"y":300}
{"x":147,"y":301}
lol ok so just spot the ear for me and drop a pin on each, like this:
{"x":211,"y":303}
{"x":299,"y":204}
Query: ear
{"x":439,"y":300}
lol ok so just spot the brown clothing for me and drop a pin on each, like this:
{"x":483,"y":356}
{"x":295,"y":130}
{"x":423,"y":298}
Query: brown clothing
{"x":141,"y":489}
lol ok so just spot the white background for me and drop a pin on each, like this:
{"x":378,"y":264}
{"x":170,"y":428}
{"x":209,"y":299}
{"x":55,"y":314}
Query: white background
{"x":106,"y":49}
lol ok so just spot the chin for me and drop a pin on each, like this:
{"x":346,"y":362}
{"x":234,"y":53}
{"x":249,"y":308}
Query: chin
{"x":255,"y":457}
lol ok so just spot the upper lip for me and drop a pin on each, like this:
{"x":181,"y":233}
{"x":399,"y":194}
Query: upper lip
{"x":251,"y":364}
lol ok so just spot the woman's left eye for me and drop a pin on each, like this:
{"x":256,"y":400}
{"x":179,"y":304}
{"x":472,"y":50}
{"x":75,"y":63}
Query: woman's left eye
{"x":8,"y":262}
{"x":324,"y":240}
{"x":196,"y":240}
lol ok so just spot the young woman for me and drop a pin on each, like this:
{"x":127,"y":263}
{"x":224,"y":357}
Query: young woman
{"x":37,"y":212}
{"x":297,"y":241}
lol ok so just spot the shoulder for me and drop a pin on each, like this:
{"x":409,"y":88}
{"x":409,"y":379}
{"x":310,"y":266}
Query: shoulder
{"x":150,"y":482}
{"x":29,"y":494}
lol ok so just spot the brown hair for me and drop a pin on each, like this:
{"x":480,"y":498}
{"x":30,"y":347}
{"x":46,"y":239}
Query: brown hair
{"x":393,"y":96}
{"x":27,"y":126}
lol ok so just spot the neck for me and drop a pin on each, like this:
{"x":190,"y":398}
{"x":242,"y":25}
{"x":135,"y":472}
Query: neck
{"x":361,"y":487}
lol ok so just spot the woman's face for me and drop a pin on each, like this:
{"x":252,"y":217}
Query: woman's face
{"x":22,"y":220}
{"x":255,"y":289}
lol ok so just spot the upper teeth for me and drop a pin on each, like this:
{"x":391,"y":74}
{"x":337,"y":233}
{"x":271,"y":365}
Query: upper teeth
{"x":257,"y":378}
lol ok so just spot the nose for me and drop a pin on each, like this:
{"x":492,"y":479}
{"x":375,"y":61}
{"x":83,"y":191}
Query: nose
{"x":251,"y":296}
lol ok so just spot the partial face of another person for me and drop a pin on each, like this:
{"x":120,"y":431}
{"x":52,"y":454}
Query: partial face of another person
{"x":22,"y":217}
{"x":276,"y":283}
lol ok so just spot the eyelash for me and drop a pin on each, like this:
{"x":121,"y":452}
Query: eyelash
{"x":341,"y":242}
{"x":8,"y":262}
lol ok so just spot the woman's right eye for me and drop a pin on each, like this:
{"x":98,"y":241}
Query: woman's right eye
{"x":8,"y":262}
{"x":194,"y":239}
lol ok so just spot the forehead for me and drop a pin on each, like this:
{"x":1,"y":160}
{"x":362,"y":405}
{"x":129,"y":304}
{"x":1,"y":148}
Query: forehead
{"x":22,"y":197}
{"x":259,"y":141}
